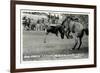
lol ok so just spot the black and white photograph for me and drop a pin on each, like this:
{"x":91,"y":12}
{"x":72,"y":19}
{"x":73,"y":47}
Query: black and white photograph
{"x":52,"y":35}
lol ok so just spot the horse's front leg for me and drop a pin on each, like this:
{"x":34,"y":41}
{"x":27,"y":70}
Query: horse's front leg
{"x":76,"y":41}
{"x":66,"y":34}
{"x":56,"y":33}
{"x":69,"y":35}
{"x":80,"y":43}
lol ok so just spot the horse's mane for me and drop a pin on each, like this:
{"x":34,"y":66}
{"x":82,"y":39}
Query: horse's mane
{"x":64,"y":21}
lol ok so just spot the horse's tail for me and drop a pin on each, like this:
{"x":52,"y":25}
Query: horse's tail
{"x":86,"y":31}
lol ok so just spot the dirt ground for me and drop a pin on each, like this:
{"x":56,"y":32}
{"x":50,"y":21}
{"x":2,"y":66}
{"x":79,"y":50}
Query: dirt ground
{"x":34,"y":48}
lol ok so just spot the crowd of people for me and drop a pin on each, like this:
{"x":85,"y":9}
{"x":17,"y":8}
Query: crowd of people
{"x":39,"y":24}
{"x":43,"y":23}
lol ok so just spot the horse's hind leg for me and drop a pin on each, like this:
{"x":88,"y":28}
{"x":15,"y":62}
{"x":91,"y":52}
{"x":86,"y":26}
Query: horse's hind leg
{"x":80,"y":41}
{"x":76,"y":41}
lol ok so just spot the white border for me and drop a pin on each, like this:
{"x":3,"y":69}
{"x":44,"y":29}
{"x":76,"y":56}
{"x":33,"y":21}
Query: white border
{"x":37,"y":64}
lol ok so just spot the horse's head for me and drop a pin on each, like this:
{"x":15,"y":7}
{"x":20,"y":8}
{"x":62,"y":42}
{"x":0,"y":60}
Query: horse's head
{"x":65,"y":27}
{"x":61,"y":30}
{"x":62,"y":36}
